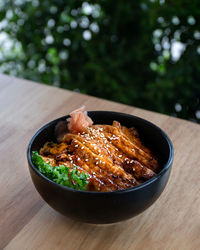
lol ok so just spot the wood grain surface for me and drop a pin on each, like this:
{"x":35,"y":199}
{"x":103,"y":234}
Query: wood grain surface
{"x":27,"y":222}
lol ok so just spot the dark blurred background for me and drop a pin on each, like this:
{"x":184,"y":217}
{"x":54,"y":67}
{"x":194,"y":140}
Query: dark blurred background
{"x":141,"y":53}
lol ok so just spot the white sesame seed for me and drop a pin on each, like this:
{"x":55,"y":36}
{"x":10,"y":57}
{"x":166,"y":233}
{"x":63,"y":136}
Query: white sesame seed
{"x":97,"y":163}
{"x":78,"y":159}
{"x":86,"y":159}
{"x":82,"y":147}
{"x":120,"y":156}
{"x":76,"y":146}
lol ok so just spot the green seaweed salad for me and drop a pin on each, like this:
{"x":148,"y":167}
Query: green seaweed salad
{"x":61,"y":174}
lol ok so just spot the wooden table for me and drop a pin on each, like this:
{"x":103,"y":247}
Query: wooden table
{"x":26,"y":222}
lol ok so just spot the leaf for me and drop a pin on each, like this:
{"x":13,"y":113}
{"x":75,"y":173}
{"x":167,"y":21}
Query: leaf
{"x":61,"y":174}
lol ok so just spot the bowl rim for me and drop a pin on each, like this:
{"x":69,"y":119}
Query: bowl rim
{"x":166,"y":166}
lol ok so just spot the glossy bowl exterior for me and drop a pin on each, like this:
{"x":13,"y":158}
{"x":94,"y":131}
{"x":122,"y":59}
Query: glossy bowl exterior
{"x":105,"y":207}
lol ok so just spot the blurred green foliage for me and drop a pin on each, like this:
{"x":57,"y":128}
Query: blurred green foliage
{"x":142,"y":53}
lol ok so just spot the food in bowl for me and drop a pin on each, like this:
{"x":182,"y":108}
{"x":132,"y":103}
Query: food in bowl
{"x":96,"y":157}
{"x":103,"y":207}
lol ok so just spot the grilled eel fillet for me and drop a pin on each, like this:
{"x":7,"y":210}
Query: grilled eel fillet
{"x":112,"y":156}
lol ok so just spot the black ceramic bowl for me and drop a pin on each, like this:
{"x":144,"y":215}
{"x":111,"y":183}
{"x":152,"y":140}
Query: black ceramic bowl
{"x":105,"y":207}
